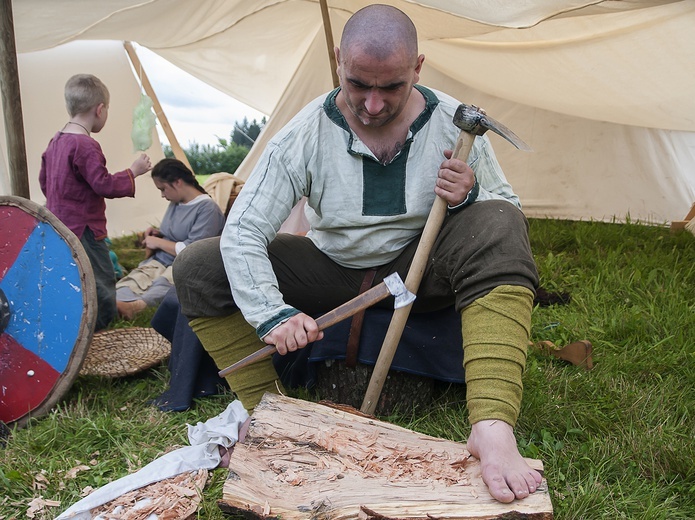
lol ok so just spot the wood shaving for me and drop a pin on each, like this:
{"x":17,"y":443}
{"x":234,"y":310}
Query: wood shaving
{"x":326,"y":451}
{"x":72,"y":473}
{"x":39,"y":504}
{"x":169,"y":499}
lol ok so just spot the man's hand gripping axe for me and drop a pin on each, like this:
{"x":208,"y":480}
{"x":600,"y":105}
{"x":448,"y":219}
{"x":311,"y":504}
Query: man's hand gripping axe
{"x":391,"y":286}
{"x":471,"y":121}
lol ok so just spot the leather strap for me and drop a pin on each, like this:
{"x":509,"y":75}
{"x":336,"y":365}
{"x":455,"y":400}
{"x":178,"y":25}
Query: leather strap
{"x":353,"y":343}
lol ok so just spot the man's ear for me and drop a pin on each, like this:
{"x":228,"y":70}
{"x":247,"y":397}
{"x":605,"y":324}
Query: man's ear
{"x":418,"y":65}
{"x":336,"y":51}
{"x":99,"y":109}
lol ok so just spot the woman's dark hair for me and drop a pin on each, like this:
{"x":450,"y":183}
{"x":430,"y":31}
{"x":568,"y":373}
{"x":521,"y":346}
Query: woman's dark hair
{"x":171,"y":170}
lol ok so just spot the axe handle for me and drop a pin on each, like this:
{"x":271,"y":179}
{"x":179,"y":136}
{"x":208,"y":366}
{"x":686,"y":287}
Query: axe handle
{"x":344,"y":311}
{"x":464,"y":143}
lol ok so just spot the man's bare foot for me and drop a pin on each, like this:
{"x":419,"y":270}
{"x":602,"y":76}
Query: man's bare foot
{"x":504,"y":469}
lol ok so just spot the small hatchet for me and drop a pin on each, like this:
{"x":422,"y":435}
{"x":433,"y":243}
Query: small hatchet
{"x":471,"y":121}
{"x":391,"y":286}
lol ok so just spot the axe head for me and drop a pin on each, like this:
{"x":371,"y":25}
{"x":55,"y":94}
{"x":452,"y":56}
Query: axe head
{"x":471,"y":119}
{"x":398,"y":289}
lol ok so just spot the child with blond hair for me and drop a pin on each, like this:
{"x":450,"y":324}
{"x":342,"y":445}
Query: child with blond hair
{"x":75,"y":181}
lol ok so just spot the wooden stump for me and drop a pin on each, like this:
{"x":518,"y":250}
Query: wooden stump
{"x":402,"y":391}
{"x":304,"y":460}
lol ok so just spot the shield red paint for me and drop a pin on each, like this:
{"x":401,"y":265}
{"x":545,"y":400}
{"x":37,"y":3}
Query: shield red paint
{"x":47,"y":309}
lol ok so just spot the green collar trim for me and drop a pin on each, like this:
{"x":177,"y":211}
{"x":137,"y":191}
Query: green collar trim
{"x":331,"y":109}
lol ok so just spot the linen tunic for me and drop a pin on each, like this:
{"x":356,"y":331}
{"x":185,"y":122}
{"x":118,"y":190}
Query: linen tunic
{"x":75,"y":181}
{"x":362,"y":213}
{"x":186,"y":223}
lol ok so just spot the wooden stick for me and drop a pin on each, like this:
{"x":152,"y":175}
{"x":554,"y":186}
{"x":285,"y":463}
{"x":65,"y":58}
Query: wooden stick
{"x":329,"y":42}
{"x":400,"y":316}
{"x":158,"y":110}
{"x":344,"y":311}
{"x":12,"y":105}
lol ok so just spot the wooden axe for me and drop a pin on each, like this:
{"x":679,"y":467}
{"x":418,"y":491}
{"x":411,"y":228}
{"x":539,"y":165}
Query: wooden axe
{"x":391,"y":286}
{"x":471,"y":121}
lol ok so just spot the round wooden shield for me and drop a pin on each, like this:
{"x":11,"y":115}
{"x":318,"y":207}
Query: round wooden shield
{"x":47,"y":309}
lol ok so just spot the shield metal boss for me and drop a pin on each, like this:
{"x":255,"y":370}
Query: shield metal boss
{"x":47,"y":309}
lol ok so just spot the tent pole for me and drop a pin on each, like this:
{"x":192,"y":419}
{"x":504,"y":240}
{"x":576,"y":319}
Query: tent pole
{"x":329,"y":41}
{"x":12,"y":104}
{"x":158,"y":110}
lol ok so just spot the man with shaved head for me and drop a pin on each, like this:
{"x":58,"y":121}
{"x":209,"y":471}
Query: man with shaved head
{"x":369,"y":157}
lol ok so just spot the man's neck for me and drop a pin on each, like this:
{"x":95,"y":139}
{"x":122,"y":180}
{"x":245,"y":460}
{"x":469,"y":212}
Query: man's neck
{"x":385,"y":141}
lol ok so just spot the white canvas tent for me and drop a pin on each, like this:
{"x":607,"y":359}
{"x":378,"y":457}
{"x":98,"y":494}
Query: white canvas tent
{"x":603,"y":91}
{"x":43,"y":76}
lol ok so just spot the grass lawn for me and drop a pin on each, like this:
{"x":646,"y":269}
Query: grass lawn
{"x":617,"y":442}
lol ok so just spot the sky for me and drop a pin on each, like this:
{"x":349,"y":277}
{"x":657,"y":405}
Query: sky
{"x":196,"y":111}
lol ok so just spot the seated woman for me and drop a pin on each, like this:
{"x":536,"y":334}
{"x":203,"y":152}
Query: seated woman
{"x":191,"y":215}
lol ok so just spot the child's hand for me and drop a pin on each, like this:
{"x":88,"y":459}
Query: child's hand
{"x":141,"y":165}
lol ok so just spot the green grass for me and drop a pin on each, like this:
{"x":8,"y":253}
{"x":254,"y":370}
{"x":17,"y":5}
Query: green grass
{"x":616,"y":442}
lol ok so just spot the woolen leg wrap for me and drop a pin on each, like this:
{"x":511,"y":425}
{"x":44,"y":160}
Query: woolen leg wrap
{"x":229,"y":339}
{"x":496,"y":330}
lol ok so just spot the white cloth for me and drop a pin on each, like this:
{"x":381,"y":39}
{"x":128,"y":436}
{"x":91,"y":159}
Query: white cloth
{"x":203,"y":453}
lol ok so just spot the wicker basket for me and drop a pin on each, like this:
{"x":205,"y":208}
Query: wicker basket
{"x":123,"y":352}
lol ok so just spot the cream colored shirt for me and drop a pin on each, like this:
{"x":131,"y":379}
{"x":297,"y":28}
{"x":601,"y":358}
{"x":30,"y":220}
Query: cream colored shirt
{"x":362,"y":214}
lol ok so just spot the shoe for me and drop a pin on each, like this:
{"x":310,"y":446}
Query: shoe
{"x":129,"y":310}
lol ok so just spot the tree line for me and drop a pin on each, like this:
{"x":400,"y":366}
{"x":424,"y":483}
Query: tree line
{"x":227,"y":154}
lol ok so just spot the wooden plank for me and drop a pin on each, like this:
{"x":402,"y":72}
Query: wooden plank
{"x":304,"y":460}
{"x":678,"y":225}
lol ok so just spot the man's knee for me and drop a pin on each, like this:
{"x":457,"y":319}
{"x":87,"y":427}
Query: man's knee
{"x":496,"y":216}
{"x":201,"y":280}
{"x":200,"y":255}
{"x":483,"y":246}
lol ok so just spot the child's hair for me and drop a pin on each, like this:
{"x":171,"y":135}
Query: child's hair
{"x":83,"y":92}
{"x":170,"y":170}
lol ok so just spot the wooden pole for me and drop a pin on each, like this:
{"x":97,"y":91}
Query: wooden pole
{"x":433,"y":225}
{"x":158,"y":110}
{"x":329,"y":42}
{"x":12,"y":104}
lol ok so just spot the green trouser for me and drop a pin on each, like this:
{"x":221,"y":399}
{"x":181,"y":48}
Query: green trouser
{"x":482,"y":247}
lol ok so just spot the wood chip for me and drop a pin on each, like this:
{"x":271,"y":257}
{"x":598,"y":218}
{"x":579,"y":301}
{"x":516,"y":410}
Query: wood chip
{"x":175,"y":498}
